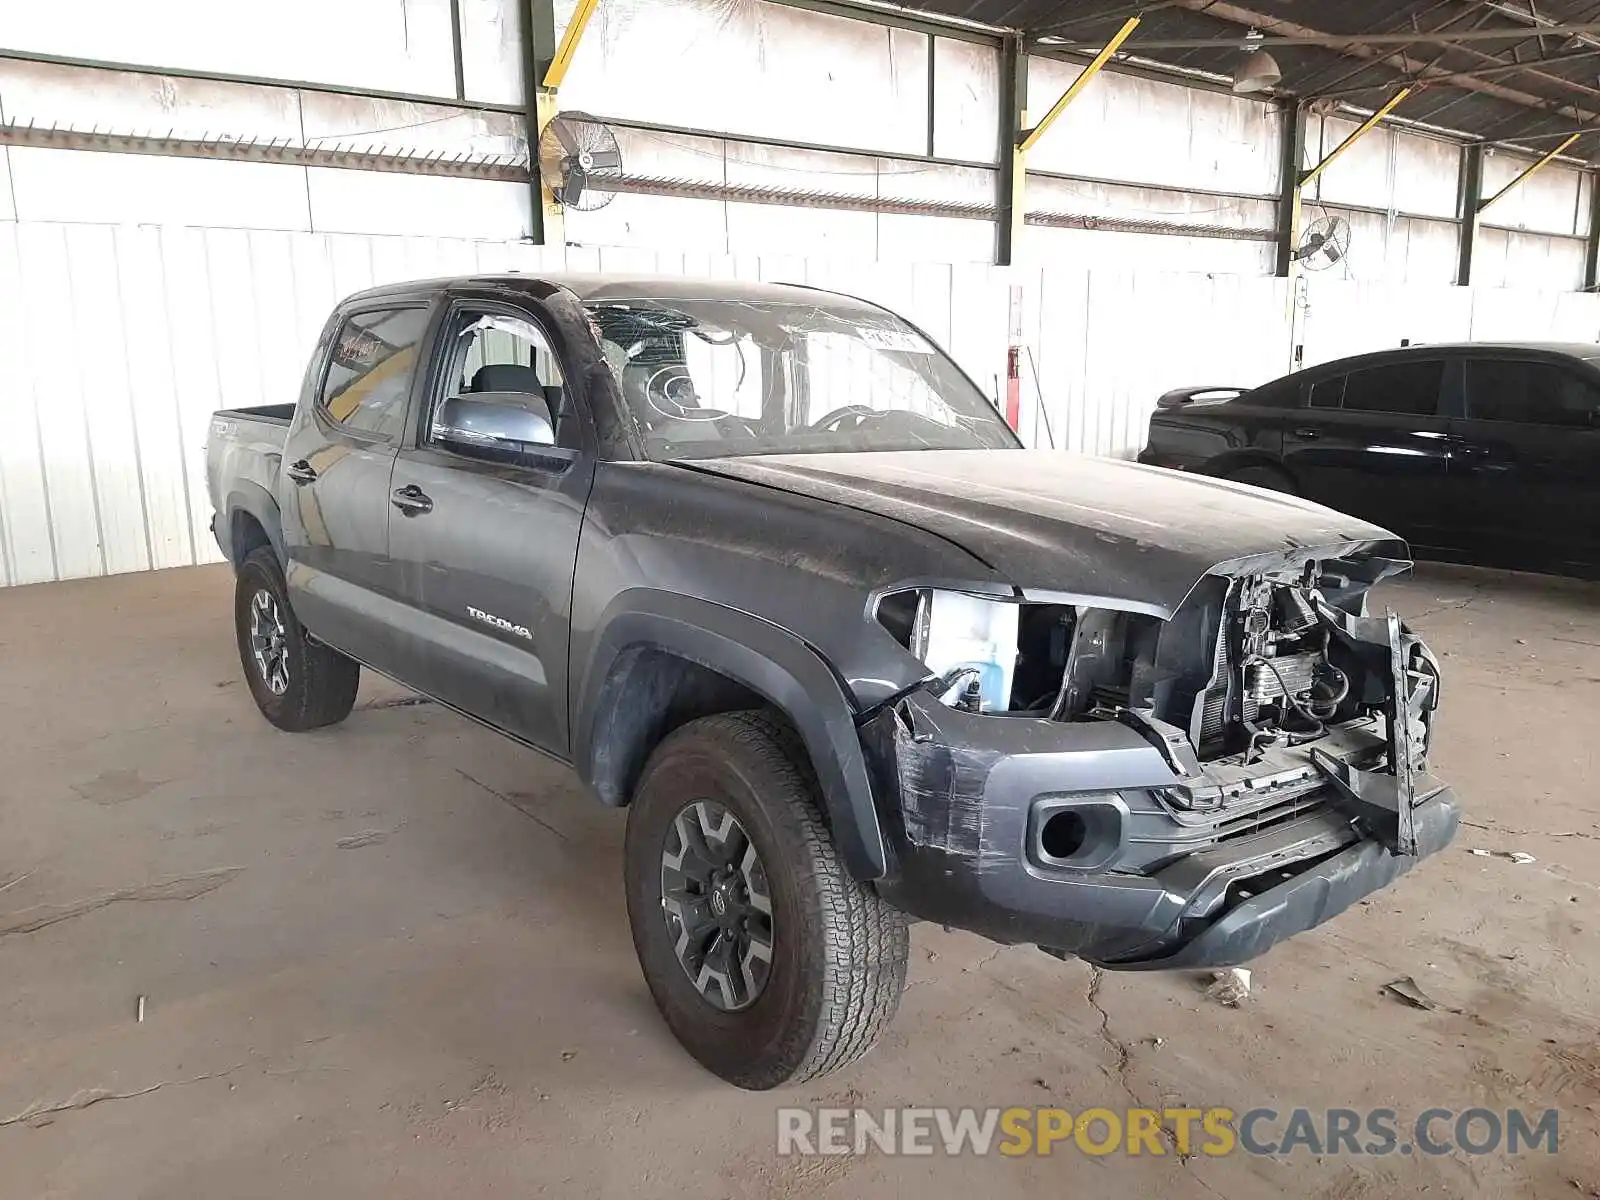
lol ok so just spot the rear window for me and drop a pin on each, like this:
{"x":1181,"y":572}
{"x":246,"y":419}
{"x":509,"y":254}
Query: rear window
{"x":1410,"y":388}
{"x":369,"y":376}
{"x":1533,"y":393}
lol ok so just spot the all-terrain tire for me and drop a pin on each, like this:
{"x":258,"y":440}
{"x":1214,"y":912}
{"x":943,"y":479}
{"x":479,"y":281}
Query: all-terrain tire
{"x":838,"y":952}
{"x":318,"y":683}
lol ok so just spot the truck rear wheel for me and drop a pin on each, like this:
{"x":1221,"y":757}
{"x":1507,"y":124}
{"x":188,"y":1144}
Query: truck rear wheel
{"x":298,"y":684}
{"x":770,"y":963}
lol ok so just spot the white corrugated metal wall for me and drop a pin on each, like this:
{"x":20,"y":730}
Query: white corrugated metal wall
{"x":128,"y":312}
{"x":118,"y":342}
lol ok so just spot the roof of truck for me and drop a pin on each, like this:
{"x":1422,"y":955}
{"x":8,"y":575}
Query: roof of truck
{"x":601,"y":287}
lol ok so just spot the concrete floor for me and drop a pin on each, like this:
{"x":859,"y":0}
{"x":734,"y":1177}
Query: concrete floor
{"x":391,"y":958}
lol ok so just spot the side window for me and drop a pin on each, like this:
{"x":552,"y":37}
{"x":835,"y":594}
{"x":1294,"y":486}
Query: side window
{"x":1328,"y":393}
{"x":369,"y":377}
{"x":1410,"y":388}
{"x":498,"y":352}
{"x":1529,"y":392}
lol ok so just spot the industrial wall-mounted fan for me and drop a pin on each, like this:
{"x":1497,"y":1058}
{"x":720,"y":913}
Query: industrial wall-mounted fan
{"x":577,"y":155}
{"x":1326,"y":241}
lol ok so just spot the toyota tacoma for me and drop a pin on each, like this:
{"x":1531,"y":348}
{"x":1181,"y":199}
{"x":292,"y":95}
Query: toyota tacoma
{"x":763,"y":566}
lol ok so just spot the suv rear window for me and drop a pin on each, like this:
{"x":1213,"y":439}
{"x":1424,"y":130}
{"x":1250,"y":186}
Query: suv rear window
{"x":369,"y":374}
{"x":1410,"y":388}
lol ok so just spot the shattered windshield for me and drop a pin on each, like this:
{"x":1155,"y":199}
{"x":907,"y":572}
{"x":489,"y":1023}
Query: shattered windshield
{"x":714,"y":377}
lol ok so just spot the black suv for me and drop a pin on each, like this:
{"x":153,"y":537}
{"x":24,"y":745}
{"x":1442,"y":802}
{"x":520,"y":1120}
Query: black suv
{"x":1480,"y":453}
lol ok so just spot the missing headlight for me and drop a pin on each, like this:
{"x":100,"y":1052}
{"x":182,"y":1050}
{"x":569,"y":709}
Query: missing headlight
{"x":1016,"y":652}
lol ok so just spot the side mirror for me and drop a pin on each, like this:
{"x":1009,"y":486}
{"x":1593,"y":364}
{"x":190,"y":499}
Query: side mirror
{"x":494,"y":424}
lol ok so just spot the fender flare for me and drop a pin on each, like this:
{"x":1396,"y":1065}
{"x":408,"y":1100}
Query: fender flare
{"x":770,"y":661}
{"x":252,"y":498}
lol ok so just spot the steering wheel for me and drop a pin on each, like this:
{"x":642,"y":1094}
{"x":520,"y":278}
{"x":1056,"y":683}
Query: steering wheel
{"x":844,"y":419}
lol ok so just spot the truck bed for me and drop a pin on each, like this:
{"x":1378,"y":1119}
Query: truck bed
{"x":244,"y":454}
{"x":271,"y":414}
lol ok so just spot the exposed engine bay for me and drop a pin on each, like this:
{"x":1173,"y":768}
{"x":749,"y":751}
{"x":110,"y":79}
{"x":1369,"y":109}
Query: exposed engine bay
{"x":1270,"y":681}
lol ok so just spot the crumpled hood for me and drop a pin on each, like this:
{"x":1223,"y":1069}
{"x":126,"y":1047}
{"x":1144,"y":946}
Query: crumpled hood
{"x":1049,"y":521}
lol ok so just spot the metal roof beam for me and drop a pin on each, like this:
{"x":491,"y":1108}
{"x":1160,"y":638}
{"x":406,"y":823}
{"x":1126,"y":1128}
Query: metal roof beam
{"x":1306,"y":36}
{"x":1238,"y":14}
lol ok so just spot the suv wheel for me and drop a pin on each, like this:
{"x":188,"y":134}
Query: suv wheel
{"x":298,"y":684}
{"x":770,"y":963}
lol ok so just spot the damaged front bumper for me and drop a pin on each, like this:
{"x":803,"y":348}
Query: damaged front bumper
{"x":1062,"y":834}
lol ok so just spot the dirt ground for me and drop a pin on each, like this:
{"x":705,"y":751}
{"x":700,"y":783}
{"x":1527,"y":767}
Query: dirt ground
{"x":391,"y":958}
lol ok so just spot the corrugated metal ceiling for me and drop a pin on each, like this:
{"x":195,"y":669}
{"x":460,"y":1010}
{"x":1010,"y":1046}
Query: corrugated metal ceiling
{"x":1531,"y":90}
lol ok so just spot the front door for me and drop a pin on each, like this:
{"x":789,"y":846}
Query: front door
{"x":486,"y":549}
{"x":1373,"y":442}
{"x":334,"y":488}
{"x":1527,"y":466}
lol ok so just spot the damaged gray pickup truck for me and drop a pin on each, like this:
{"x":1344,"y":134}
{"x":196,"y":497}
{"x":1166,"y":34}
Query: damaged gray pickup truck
{"x":763,"y":565}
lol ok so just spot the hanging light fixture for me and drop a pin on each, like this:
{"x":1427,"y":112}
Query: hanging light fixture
{"x":1257,"y":71}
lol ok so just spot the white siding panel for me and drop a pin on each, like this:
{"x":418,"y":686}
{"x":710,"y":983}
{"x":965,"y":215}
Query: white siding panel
{"x":1227,"y":331}
{"x":821,"y":232}
{"x":1343,"y":317}
{"x":54,"y":348}
{"x":192,"y":335}
{"x":8,"y":210}
{"x":1426,"y":174}
{"x":142,"y":298}
{"x":370,"y":202}
{"x":1508,"y":258}
{"x":110,"y":434}
{"x":391,"y":45}
{"x":698,"y":226}
{"x":1393,"y":248}
{"x":966,"y":99}
{"x":797,"y":75}
{"x":904,"y":237}
{"x":1547,"y":202}
{"x":1094,"y":249}
{"x":1138,"y":130}
{"x":136,"y":102}
{"x":27,"y":553}
{"x":359,"y":123}
{"x":138,"y":189}
{"x":1514,"y":314}
{"x":491,"y":50}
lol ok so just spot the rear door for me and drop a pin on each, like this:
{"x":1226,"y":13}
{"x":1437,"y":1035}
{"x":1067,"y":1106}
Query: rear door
{"x":1527,"y":467}
{"x":486,"y":549}
{"x":1373,"y":440}
{"x":334,"y":489}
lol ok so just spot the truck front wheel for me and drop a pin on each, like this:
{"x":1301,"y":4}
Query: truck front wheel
{"x":298,"y":684}
{"x":770,"y":963}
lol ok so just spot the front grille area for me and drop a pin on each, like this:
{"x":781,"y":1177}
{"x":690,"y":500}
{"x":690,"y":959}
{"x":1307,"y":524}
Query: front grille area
{"x":1163,"y":834}
{"x":1272,"y":814}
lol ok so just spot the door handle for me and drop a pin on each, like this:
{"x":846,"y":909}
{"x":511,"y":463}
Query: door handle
{"x":411,"y":500}
{"x":301,"y":472}
{"x":1308,"y":433}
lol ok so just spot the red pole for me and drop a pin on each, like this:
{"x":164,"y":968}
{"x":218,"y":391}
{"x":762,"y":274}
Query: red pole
{"x":1013,"y":388}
